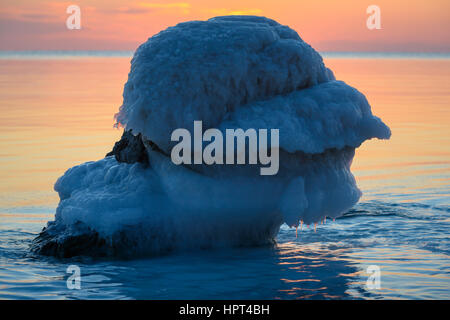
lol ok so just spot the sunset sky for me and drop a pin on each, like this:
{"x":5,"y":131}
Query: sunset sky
{"x":328,"y":25}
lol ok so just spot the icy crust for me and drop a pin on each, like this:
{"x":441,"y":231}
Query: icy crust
{"x":109,"y":208}
{"x":106,"y":195}
{"x":202,"y":70}
{"x":128,"y":210}
{"x":325,"y":116}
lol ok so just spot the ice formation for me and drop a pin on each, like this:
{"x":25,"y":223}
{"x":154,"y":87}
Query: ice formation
{"x":229,"y":72}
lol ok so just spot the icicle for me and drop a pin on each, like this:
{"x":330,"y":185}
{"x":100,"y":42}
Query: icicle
{"x":301,"y":225}
{"x":325,"y":220}
{"x":315,"y":225}
{"x":296,"y":232}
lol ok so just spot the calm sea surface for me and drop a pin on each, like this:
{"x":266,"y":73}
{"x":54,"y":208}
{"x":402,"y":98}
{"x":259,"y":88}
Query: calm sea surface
{"x":57,"y":111}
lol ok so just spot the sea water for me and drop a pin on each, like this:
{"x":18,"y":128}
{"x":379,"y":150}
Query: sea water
{"x":56,"y":111}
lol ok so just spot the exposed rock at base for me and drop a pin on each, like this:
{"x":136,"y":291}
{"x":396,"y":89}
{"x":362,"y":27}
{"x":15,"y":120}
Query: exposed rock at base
{"x":75,"y":240}
{"x":129,"y":149}
{"x":61,"y":242}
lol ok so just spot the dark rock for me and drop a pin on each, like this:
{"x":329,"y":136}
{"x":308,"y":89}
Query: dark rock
{"x":66,"y":242}
{"x":129,"y":149}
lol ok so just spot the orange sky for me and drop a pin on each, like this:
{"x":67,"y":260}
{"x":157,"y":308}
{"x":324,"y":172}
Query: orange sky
{"x":328,"y":25}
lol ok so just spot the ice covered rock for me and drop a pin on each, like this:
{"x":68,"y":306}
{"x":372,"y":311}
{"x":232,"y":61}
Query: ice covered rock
{"x":229,"y":72}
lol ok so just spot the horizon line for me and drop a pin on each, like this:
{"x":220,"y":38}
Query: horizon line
{"x":55,"y":54}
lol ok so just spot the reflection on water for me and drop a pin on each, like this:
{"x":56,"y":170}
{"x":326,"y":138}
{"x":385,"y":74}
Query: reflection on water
{"x":327,"y":264}
{"x":56,"y":113}
{"x":281,"y":272}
